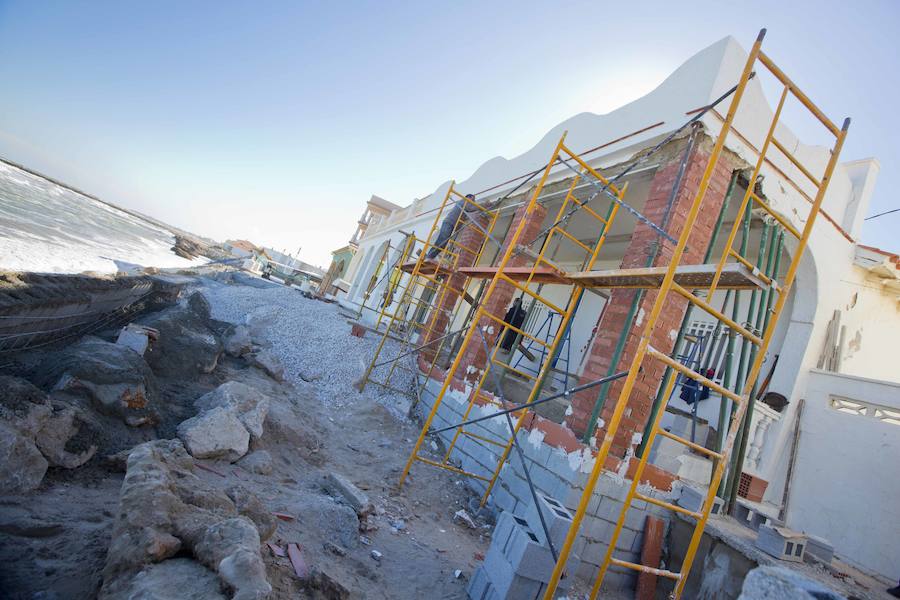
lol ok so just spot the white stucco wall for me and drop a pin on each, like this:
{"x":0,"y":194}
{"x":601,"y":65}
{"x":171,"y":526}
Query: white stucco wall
{"x":845,"y":486}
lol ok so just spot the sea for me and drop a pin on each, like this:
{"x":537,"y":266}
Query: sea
{"x":48,"y":228}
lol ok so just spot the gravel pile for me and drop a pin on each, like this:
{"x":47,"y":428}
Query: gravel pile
{"x":312,"y":339}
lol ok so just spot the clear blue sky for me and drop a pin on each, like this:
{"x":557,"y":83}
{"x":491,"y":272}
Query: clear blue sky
{"x":276,"y":121}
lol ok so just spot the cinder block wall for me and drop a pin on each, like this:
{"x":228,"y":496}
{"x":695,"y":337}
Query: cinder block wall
{"x":556,"y":472}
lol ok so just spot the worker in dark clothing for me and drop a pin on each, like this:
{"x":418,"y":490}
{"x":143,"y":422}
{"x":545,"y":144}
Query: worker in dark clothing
{"x":449,"y":225}
{"x":515,"y":316}
{"x":692,"y":391}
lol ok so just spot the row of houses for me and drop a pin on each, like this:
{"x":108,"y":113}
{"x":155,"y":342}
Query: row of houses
{"x":825,"y":438}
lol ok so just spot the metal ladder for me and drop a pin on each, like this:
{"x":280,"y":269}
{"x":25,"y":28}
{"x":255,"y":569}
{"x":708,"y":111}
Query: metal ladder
{"x":668,"y":286}
{"x":425,"y":287}
{"x":483,"y":319}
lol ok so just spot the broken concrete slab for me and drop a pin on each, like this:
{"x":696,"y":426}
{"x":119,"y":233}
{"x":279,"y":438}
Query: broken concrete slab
{"x":356,"y":498}
{"x":215,"y":433}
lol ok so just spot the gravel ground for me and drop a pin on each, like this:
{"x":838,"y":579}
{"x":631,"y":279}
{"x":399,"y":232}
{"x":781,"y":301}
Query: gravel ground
{"x":312,"y":339}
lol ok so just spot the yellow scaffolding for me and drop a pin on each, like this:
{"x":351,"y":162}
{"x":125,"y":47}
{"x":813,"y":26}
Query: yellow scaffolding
{"x":669,"y":286}
{"x":425,"y":283}
{"x":528,"y":281}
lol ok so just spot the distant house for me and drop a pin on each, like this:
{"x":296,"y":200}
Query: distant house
{"x":332,"y":282}
{"x":256,"y":257}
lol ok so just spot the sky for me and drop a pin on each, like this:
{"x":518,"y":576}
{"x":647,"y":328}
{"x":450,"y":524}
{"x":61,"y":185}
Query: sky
{"x":276,"y":121}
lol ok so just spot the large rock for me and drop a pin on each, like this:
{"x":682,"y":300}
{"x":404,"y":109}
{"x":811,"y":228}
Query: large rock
{"x":237,"y":341}
{"x":259,"y":462}
{"x":164,"y":510}
{"x":114,"y":378}
{"x":173,"y":578}
{"x":780,"y":583}
{"x":27,"y":410}
{"x":268,"y":362}
{"x":215,"y":433}
{"x":248,"y":505}
{"x":22,"y":466}
{"x":250,"y":406}
{"x":187,"y":345}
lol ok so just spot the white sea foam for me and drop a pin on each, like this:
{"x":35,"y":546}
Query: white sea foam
{"x":48,"y":228}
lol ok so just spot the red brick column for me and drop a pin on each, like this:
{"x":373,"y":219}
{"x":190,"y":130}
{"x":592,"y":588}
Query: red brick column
{"x":468,"y":236}
{"x":611,"y":325}
{"x":474,"y":354}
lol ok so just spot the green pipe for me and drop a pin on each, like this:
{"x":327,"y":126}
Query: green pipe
{"x":735,"y":316}
{"x":685,"y":321}
{"x":773,"y":263}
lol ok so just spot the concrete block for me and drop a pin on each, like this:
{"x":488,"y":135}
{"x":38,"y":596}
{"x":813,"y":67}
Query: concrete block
{"x":506,"y":583}
{"x":503,"y":499}
{"x":748,"y":516}
{"x":781,"y":542}
{"x":503,"y":529}
{"x":609,"y":510}
{"x":478,"y":585}
{"x":692,"y":499}
{"x":820,"y":548}
{"x":556,"y":516}
{"x":599,"y":529}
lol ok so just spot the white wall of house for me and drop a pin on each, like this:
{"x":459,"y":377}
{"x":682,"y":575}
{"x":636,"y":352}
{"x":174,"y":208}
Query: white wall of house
{"x":845,"y":486}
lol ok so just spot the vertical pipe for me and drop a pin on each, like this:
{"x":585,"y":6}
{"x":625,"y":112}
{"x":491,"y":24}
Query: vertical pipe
{"x":773,"y":263}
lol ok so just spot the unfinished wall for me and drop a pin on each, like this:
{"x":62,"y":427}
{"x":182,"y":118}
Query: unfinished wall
{"x":615,"y":317}
{"x":558,"y":468}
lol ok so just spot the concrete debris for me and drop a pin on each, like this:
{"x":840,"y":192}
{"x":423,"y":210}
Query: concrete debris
{"x":376,"y":555}
{"x":461,"y":516}
{"x":259,"y":462}
{"x":238,"y":342}
{"x":779,"y":583}
{"x":114,"y":379}
{"x":268,"y":362}
{"x":216,"y":433}
{"x":164,"y":510}
{"x":136,"y":337}
{"x":246,"y":403}
{"x":355,"y":497}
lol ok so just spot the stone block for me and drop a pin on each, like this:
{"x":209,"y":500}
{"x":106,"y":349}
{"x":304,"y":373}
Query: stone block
{"x":506,"y":583}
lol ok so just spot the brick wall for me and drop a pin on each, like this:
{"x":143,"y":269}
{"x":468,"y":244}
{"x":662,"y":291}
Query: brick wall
{"x":474,"y":356}
{"x":468,"y":236}
{"x":642,"y":243}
